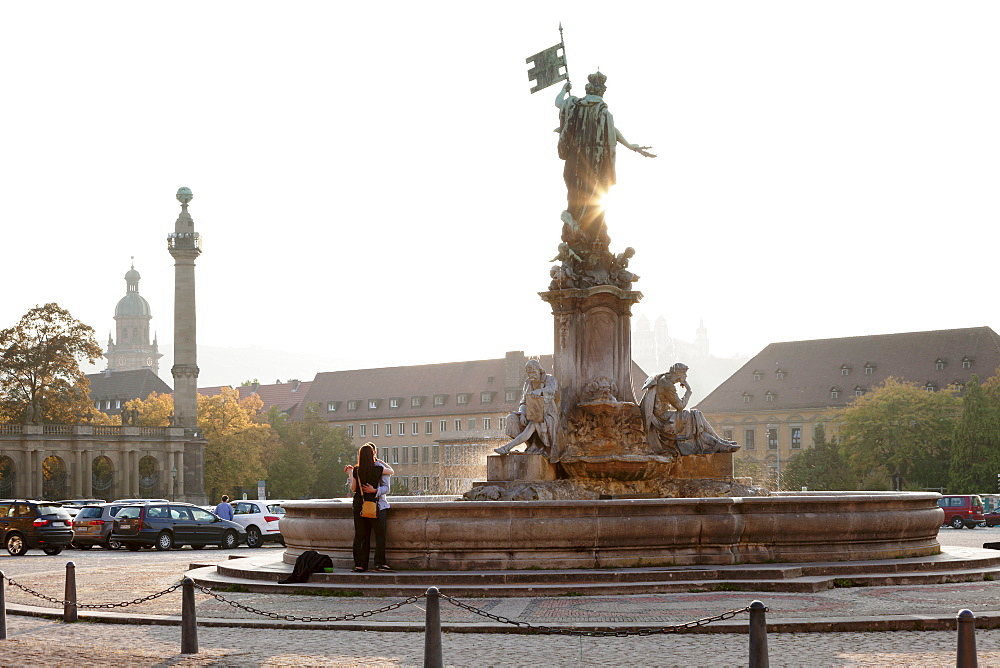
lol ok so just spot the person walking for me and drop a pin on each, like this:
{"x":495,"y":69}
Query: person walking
{"x":225,"y":509}
{"x":369,"y":481}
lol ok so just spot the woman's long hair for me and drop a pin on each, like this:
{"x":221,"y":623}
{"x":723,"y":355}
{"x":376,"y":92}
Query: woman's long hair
{"x":366,"y":462}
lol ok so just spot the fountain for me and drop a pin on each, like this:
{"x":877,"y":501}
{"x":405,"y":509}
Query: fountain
{"x":607,"y":481}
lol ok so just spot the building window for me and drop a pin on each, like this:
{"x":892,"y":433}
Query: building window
{"x":362,"y":430}
{"x":352,"y":405}
{"x":118,"y":403}
{"x":510,"y":396}
{"x":415,"y":457}
{"x":472,"y":423}
{"x":372,"y":404}
{"x":749,"y":441}
{"x":427,"y":485}
{"x":428,"y":427}
{"x":845,"y":370}
{"x":859,"y":391}
{"x":772,"y":438}
{"x":486,"y":397}
{"x":385,"y":454}
{"x":425,"y":451}
{"x":394,"y":403}
{"x":458,"y":425}
{"x":388,"y":429}
{"x":757,"y":375}
{"x":769,"y":396}
{"x":415,"y":402}
{"x":439,"y":400}
{"x":414,"y":483}
{"x":414,"y":428}
{"x":939,"y":364}
{"x":447,"y":455}
{"x":796,"y":437}
{"x":930,"y":387}
{"x":442,"y":426}
{"x":834,"y":393}
{"x":486,"y":423}
{"x":401,"y":428}
{"x":746,"y":398}
{"x":435,"y":454}
{"x":463,"y":399}
{"x":869,"y":369}
{"x":501,"y":423}
{"x":331,"y":407}
{"x":406,"y":456}
{"x":107,"y":404}
{"x":966,"y":363}
{"x":375,"y":429}
{"x":395,"y":455}
{"x":97,"y":404}
{"x":727,"y":434}
{"x":779,"y":374}
{"x":350,"y":430}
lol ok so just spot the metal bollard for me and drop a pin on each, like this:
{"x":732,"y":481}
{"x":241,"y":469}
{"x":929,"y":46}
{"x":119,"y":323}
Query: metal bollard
{"x":3,"y":607}
{"x":432,"y":630}
{"x":189,"y":618}
{"x":966,"y":640}
{"x":69,"y":595}
{"x":758,"y":635}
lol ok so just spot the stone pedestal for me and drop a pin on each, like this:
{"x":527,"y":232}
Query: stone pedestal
{"x":711,"y":467}
{"x":519,"y":466}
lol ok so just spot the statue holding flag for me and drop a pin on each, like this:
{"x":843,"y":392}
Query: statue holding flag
{"x":587,"y":141}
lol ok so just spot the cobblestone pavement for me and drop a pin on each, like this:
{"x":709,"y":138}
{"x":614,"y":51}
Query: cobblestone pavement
{"x":113,"y":577}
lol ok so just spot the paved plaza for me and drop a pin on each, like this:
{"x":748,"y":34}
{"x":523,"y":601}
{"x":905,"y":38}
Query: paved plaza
{"x":105,"y":577}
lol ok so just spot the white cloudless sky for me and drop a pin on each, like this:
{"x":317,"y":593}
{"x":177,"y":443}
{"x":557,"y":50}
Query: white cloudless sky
{"x":374,"y":182}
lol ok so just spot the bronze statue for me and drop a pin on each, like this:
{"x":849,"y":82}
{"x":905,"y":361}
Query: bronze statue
{"x":537,"y":418}
{"x":587,"y":141}
{"x":669,"y":426}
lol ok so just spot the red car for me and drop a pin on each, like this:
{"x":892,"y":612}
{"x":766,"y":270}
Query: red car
{"x":962,"y":510}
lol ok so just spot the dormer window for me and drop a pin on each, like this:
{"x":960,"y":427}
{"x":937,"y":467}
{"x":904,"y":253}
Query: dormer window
{"x":780,"y":374}
{"x":958,"y":385}
{"x":416,"y":402}
{"x":486,"y":397}
{"x":757,"y":375}
{"x":372,"y":404}
{"x":769,"y":396}
{"x":352,"y":405}
{"x":939,"y":364}
{"x":462,"y":399}
{"x":332,"y":406}
{"x":845,"y":370}
{"x":834,"y":393}
{"x":394,"y":403}
{"x":869,"y":369}
{"x":510,"y":396}
{"x":859,"y":391}
{"x":439,"y":399}
{"x":747,"y":397}
{"x":966,"y":363}
{"x":930,"y":387}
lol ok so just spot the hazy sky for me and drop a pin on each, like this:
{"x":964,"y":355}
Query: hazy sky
{"x":374,"y":182}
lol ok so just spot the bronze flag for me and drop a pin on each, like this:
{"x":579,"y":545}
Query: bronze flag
{"x":546,"y":67}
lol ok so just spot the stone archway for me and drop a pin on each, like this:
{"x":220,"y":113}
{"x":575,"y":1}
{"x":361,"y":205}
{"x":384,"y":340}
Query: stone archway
{"x":102,"y":477}
{"x":149,"y":477}
{"x":55,"y":478}
{"x":8,"y":478}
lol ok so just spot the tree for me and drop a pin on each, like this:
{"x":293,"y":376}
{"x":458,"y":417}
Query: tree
{"x":820,"y":468}
{"x":236,"y":442}
{"x":155,"y":410}
{"x":329,"y":448}
{"x":975,"y":451}
{"x":898,"y":436}
{"x":40,"y":376}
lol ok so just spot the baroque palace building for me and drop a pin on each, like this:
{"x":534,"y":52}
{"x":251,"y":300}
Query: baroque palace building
{"x":773,"y":404}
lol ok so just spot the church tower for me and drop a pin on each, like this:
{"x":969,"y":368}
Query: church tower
{"x":184,"y":245}
{"x":132,"y":349}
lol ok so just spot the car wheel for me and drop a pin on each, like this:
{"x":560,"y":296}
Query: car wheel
{"x":253,"y":537}
{"x":164,"y":541}
{"x":113,"y":544}
{"x":197,"y":547}
{"x":229,"y":540}
{"x":52,"y":550}
{"x":971,"y":525}
{"x":133,"y":547}
{"x":956,"y":522}
{"x":16,"y":545}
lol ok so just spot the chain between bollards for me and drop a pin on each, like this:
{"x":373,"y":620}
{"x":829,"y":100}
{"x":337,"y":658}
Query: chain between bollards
{"x":69,"y":594}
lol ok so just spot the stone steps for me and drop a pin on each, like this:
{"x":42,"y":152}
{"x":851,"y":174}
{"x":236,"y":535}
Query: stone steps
{"x":260,"y":574}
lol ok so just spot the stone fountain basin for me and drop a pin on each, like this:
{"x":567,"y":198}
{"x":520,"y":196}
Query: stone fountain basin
{"x":484,"y":535}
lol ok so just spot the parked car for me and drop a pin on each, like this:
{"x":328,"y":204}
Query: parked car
{"x":260,"y":522}
{"x":962,"y":510}
{"x":92,"y":526}
{"x":34,"y":524}
{"x":140,"y":501}
{"x":166,"y":525}
{"x":79,"y":503}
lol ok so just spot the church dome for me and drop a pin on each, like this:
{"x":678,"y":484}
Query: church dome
{"x":132,"y":304}
{"x":132,"y":276}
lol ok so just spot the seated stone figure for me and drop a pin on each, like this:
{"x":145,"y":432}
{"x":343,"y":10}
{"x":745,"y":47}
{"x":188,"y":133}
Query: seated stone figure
{"x":537,"y":418}
{"x":669,"y":426}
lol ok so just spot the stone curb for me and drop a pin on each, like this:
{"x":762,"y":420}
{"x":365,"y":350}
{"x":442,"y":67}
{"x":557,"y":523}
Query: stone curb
{"x":984,"y":620}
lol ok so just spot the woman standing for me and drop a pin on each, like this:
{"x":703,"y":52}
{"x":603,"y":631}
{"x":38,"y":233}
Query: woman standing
{"x":369,"y":481}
